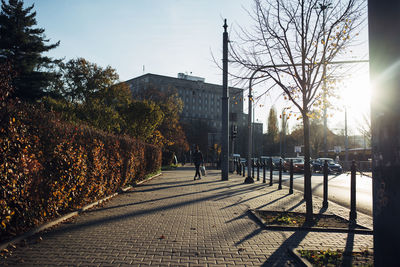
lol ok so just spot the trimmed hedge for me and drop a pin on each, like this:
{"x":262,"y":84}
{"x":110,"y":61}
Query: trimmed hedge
{"x":49,"y":167}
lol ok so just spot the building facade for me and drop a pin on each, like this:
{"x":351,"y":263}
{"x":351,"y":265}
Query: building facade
{"x":201,"y":106}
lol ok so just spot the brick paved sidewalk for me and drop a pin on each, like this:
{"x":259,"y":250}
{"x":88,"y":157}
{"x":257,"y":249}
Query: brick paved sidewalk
{"x":175,"y":221}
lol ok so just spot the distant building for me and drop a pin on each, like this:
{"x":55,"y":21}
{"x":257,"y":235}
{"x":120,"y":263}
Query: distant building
{"x":202,"y":105}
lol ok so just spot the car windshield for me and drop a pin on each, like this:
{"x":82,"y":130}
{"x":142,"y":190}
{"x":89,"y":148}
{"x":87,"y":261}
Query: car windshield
{"x":330,"y":161}
{"x":276,"y":159}
{"x":298,"y":161}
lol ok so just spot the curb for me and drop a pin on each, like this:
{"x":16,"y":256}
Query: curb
{"x":311,"y":229}
{"x":56,"y":221}
{"x":330,"y":201}
{"x":303,"y":262}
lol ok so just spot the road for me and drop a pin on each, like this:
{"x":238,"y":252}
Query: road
{"x":338,"y":188}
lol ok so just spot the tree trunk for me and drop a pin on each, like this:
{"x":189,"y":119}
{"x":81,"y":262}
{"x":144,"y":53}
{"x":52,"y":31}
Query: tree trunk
{"x":307,"y":170}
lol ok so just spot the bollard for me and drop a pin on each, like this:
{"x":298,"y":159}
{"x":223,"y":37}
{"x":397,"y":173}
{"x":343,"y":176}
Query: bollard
{"x":280,"y":175}
{"x":270,"y":171}
{"x":264,"y":165}
{"x":244,"y":169}
{"x":353,"y":212}
{"x":325,"y":169}
{"x":291,"y":177}
{"x":252,"y":169}
{"x":240,"y":168}
{"x":258,"y":171}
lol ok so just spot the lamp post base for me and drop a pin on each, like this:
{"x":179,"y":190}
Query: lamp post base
{"x":249,"y":180}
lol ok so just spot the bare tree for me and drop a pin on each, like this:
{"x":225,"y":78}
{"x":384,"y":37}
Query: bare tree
{"x":292,"y":44}
{"x":364,"y":126}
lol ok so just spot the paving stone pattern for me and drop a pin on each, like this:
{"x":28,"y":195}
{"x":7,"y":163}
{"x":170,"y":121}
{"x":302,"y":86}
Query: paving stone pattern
{"x":173,"y":220}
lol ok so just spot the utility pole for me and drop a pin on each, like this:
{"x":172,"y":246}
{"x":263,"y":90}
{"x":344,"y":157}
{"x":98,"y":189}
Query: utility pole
{"x":283,"y":134}
{"x":225,"y":108}
{"x":324,"y":7}
{"x":384,"y":51}
{"x":346,"y":159}
{"x":249,"y":179}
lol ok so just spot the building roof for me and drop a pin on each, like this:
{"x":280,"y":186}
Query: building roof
{"x":175,"y":79}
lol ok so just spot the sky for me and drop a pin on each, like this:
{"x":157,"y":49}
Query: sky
{"x":166,"y":37}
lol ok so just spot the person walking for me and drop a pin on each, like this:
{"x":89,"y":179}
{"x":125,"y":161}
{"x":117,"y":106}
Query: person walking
{"x":197,"y":160}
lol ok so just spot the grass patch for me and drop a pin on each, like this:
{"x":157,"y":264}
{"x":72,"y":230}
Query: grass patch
{"x":337,"y":257}
{"x":152,"y":174}
{"x":296,"y":219}
{"x":169,"y":167}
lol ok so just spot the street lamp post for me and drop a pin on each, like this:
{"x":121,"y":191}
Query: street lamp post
{"x":249,"y":179}
{"x":225,"y":109}
{"x":324,"y":7}
{"x":346,"y":141}
{"x":283,"y":133}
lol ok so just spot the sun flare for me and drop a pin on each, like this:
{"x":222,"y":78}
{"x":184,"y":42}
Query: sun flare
{"x":356,"y":93}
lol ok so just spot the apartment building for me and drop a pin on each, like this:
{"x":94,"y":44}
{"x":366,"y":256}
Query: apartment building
{"x":201,"y":104}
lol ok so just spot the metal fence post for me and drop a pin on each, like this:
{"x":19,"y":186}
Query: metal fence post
{"x":252,"y":169}
{"x":280,"y":174}
{"x":353,"y":212}
{"x":244,"y":169}
{"x":291,"y":177}
{"x":258,"y":171}
{"x":264,"y":165}
{"x":270,"y":171}
{"x":237,"y":166}
{"x":325,"y":170}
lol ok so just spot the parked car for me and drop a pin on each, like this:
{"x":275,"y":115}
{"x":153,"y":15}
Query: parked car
{"x":275,"y":161}
{"x":254,"y":161}
{"x":265,"y":160}
{"x":333,"y":167}
{"x":298,"y":164}
{"x":235,"y":157}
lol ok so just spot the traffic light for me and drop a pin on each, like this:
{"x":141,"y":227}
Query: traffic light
{"x":234,"y":131}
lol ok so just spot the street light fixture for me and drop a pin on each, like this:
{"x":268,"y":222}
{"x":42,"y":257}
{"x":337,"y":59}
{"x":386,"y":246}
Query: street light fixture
{"x":323,"y":6}
{"x":249,"y":179}
{"x":283,"y":133}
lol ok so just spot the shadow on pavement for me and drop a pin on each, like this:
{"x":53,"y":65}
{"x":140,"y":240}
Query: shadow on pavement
{"x":127,"y":215}
{"x":138,"y":189}
{"x":243,"y":201}
{"x":158,"y":199}
{"x":302,"y":201}
{"x":278,"y":257}
{"x":347,"y":261}
{"x":273,"y":201}
{"x":252,"y":234}
{"x":249,"y":188}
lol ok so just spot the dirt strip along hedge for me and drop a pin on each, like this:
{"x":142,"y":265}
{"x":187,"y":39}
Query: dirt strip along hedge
{"x":49,"y":167}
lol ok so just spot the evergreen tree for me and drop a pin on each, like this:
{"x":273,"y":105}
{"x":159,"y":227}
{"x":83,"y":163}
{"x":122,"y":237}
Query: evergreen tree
{"x":273,"y":124}
{"x":270,"y":139}
{"x":22,"y":46}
